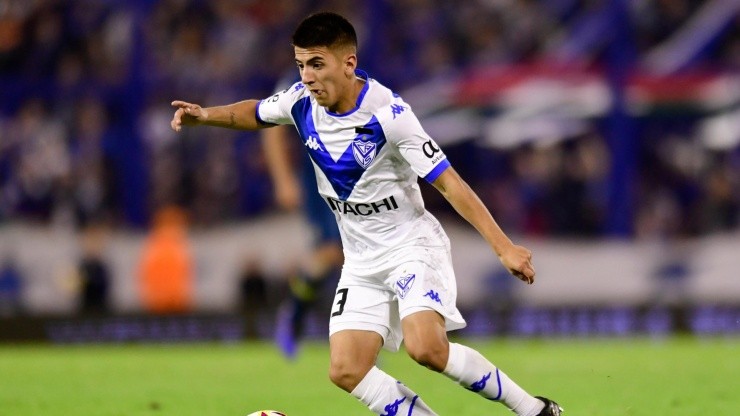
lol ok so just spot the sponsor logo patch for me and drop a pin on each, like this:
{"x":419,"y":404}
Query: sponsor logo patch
{"x":429,"y":149}
{"x":362,"y":208}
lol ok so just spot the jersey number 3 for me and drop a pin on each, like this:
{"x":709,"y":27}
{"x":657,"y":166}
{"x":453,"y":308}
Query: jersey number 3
{"x":341,"y":299}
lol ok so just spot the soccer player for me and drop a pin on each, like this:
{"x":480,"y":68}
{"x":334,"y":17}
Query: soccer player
{"x":368,"y":150}
{"x":326,"y":256}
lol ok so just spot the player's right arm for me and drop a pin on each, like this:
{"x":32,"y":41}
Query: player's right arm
{"x":240,"y":116}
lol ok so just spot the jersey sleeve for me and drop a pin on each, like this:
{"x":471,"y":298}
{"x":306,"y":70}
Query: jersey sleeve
{"x":421,"y":152}
{"x":277,"y":108}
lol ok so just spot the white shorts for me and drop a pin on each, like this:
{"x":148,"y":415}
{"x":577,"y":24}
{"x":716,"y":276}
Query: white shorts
{"x":378,"y":300}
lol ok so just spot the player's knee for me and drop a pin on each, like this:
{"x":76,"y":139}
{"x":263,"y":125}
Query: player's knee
{"x":346,"y":375}
{"x":432,"y":355}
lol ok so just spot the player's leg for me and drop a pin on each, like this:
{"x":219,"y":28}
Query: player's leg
{"x":324,"y":262}
{"x":326,"y":257}
{"x":427,"y":296}
{"x":352,"y":354}
{"x":352,"y":368}
{"x":364,"y":319}
{"x":425,"y":338}
{"x":303,"y":288}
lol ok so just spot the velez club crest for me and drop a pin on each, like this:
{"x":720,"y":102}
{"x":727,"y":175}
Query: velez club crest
{"x":404,"y":284}
{"x":364,"y":151}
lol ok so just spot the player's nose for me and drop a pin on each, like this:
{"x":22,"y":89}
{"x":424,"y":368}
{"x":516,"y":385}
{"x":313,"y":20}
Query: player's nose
{"x":307,"y":76}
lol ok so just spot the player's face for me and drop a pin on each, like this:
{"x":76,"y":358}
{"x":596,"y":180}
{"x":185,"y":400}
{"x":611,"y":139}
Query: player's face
{"x":329,"y":75}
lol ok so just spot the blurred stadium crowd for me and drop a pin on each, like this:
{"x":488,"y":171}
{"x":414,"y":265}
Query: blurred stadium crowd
{"x":86,"y":86}
{"x":570,"y":118}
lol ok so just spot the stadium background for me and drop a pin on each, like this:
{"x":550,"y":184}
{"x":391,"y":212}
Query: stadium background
{"x":603,"y":134}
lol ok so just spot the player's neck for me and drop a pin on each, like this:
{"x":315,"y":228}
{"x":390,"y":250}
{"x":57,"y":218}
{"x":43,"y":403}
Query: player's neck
{"x":349,"y":102}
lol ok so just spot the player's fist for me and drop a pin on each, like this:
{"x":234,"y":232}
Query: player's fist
{"x":187,"y":114}
{"x":518,"y":260}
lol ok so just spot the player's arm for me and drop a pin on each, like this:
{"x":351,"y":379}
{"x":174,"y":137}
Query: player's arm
{"x":240,"y":116}
{"x":517,"y":259}
{"x":275,"y":146}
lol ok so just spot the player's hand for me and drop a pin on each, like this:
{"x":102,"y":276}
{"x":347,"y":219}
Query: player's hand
{"x":518,"y":260}
{"x":288,"y":194}
{"x":187,"y":114}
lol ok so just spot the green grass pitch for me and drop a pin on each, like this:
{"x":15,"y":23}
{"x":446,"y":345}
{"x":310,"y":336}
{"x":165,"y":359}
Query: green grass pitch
{"x":607,"y":377}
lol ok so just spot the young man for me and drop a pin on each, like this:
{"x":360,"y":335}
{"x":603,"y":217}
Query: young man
{"x":368,"y":150}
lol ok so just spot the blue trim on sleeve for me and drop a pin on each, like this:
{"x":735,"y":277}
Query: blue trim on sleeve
{"x":434,"y":174}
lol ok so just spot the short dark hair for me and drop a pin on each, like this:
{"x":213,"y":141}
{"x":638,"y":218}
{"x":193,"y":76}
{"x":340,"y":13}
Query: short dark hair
{"x":324,"y":29}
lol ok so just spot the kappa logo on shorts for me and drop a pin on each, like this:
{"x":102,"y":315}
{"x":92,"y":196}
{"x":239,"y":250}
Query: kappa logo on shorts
{"x":403,"y":285}
{"x":433,"y":296}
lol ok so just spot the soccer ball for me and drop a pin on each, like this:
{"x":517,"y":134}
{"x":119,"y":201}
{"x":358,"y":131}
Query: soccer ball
{"x":267,"y":413}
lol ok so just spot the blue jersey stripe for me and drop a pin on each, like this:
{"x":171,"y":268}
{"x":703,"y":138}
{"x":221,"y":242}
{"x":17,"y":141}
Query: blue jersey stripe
{"x":343,"y":174}
{"x":300,"y":110}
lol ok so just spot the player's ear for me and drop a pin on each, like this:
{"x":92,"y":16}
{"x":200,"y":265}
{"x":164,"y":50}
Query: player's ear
{"x":350,"y":64}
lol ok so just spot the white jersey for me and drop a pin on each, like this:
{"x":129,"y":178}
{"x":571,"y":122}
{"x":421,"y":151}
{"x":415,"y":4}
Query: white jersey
{"x":367,"y":163}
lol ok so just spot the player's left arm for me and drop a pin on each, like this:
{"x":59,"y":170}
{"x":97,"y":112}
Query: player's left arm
{"x":517,"y":259}
{"x":275,"y":147}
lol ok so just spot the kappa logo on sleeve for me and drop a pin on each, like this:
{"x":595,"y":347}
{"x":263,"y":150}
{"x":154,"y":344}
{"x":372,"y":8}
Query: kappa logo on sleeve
{"x":404,"y":284}
{"x":397,"y":109}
